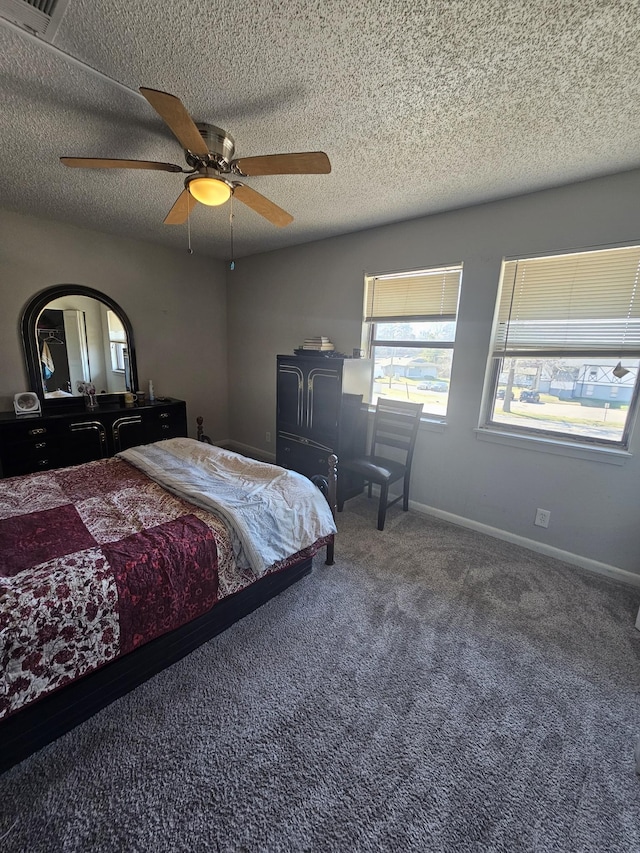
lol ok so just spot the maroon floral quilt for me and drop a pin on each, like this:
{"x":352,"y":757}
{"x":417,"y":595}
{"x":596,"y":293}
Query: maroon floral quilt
{"x":95,"y":561}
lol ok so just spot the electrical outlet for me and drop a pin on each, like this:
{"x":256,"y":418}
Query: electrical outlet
{"x":543,"y":517}
{"x":267,"y":437}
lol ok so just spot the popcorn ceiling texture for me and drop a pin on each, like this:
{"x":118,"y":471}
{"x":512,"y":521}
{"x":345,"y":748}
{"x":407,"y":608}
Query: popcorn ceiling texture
{"x":421,"y":107}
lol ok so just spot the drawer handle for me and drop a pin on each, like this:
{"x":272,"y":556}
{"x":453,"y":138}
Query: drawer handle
{"x":166,"y":426}
{"x":43,"y":462}
{"x":164,"y":415}
{"x":40,"y":445}
{"x":37,"y":431}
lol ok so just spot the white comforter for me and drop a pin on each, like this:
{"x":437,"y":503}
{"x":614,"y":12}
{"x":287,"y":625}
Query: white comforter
{"x":272,"y":511}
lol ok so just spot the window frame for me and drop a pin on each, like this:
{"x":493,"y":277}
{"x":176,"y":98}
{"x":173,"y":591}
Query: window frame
{"x":118,"y":355}
{"x":371,"y":340}
{"x":495,"y":368}
{"x":117,"y":344}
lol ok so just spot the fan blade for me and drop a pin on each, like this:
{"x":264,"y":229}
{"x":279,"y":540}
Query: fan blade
{"x":305,"y":163}
{"x":173,"y":111}
{"x":99,"y":163}
{"x":183,"y":206}
{"x":262,"y":205}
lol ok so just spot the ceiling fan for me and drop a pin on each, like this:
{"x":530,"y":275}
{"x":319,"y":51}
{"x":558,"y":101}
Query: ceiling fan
{"x":209,"y":153}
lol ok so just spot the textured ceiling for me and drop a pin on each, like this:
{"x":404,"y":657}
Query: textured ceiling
{"x":421,"y":107}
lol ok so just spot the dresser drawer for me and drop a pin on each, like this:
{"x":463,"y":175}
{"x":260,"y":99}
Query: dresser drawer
{"x":25,"y":457}
{"x":64,"y":438}
{"x":309,"y":458}
{"x":301,"y":455}
{"x":165,"y":422}
{"x":26,"y":446}
{"x":26,"y":430}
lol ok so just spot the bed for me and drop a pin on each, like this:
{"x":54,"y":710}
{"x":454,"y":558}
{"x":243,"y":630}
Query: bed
{"x":112,"y":570}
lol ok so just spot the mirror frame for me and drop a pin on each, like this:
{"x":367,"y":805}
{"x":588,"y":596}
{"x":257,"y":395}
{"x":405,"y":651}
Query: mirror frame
{"x":28,"y":323}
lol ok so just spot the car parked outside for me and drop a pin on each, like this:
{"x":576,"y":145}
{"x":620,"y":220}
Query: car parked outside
{"x":433,"y":386}
{"x":529,"y":397}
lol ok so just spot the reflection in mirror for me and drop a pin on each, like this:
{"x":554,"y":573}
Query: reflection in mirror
{"x":81,"y":340}
{"x":75,"y":335}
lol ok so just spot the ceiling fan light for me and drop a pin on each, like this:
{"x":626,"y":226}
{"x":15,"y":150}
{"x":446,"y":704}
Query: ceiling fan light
{"x":209,"y":190}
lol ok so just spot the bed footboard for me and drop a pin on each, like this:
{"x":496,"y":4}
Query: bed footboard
{"x":200,"y":431}
{"x":328,"y":485}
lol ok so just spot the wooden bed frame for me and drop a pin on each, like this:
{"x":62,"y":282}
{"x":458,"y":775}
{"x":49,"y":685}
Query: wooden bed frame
{"x":46,"y":719}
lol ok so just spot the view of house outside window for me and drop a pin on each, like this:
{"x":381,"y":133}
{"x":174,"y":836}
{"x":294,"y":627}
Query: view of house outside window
{"x":404,"y":371}
{"x":574,"y":397}
{"x":566,"y":349}
{"x":410,"y":319}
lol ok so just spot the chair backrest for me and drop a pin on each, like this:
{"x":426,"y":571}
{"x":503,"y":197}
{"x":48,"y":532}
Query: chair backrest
{"x":396,"y":424}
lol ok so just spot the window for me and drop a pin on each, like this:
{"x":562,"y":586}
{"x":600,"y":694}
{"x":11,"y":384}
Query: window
{"x":566,"y":348}
{"x":410,"y":321}
{"x":117,"y":343}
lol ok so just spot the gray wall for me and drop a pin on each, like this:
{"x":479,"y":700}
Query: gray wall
{"x":277,"y":299}
{"x":176,"y":304}
{"x":182,"y":321}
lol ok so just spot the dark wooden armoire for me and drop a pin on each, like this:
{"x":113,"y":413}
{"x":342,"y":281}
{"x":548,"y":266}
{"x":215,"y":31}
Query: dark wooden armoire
{"x":320,"y":411}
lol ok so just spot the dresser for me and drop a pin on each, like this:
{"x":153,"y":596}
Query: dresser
{"x":320,"y":411}
{"x":71,"y":436}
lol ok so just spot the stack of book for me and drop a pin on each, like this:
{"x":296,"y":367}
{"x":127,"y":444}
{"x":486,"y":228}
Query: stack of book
{"x":319,"y":343}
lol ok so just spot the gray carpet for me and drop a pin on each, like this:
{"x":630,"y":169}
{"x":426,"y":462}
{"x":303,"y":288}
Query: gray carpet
{"x":436,"y":690}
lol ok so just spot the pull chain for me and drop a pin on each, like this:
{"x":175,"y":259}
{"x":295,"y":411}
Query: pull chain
{"x":232,"y":263}
{"x":189,"y":250}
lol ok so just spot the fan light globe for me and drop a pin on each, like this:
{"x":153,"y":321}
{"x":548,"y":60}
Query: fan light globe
{"x":208,"y":190}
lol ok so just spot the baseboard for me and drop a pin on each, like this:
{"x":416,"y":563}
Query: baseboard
{"x":612,"y":572}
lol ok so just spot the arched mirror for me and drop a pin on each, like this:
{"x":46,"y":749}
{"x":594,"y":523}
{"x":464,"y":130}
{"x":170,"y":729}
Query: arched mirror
{"x":73,"y":335}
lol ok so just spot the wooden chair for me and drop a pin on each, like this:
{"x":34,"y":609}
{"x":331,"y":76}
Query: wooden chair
{"x":395,"y":425}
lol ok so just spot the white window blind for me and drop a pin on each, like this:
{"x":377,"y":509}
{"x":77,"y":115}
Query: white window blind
{"x":581,"y":303}
{"x":414,"y":297}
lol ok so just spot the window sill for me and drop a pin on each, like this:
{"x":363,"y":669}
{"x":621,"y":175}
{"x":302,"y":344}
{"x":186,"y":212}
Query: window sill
{"x":432,"y":425}
{"x":611,"y":456}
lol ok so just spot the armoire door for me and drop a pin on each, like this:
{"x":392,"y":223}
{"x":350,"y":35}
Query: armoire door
{"x":290,"y":396}
{"x":324,"y":388}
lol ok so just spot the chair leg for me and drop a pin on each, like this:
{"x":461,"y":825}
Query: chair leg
{"x":370,"y":491}
{"x":382,"y":506}
{"x":405,"y":494}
